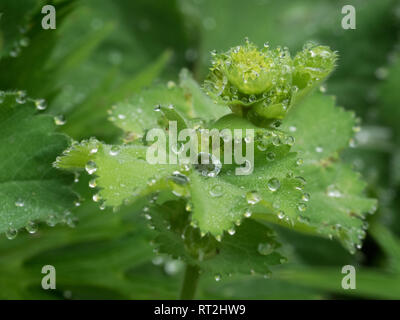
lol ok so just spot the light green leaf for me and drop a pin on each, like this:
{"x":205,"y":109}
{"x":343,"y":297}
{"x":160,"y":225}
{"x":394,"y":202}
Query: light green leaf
{"x":137,"y":115}
{"x":336,"y":204}
{"x":120,"y":172}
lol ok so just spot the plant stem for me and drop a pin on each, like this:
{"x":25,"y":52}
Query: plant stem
{"x":190,"y":282}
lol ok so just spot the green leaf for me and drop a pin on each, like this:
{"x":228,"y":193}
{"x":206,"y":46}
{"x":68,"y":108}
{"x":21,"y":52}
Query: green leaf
{"x":337,"y":205}
{"x":31,"y":190}
{"x":252,"y":247}
{"x":121,"y":172}
{"x":137,"y":115}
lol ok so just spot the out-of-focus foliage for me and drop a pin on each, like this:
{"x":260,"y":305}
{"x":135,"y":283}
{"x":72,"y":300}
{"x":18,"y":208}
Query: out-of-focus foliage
{"x":104,"y":51}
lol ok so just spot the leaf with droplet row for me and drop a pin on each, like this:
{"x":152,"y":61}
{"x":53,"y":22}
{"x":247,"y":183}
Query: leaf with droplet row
{"x":121,"y":172}
{"x":337,"y":205}
{"x":30,"y":189}
{"x":136,"y":115}
{"x":252,"y":247}
{"x":218,"y":200}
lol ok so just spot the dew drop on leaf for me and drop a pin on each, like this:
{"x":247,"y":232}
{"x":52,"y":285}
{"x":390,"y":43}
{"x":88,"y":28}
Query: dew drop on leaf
{"x":216,"y":191}
{"x":273,"y":184}
{"x":40,"y":104}
{"x":11,"y":233}
{"x":270,"y":156}
{"x":91,"y":167}
{"x":253,"y":197}
{"x":92,"y":183}
{"x":265,"y":248}
{"x":19,"y":203}
{"x":31,"y":227}
{"x":114,"y":151}
{"x":217,"y":277}
{"x":60,"y":120}
{"x":302,"y":207}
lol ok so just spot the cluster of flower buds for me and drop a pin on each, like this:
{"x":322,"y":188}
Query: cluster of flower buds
{"x":265,"y":83}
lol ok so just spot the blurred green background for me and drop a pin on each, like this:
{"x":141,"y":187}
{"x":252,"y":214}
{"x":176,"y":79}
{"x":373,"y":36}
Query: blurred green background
{"x":104,"y":51}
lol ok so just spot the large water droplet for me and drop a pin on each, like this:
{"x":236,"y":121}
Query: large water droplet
{"x":210,"y":166}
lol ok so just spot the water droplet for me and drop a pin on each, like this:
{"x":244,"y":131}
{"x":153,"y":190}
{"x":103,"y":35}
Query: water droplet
{"x":302,"y":207}
{"x":283,"y":260}
{"x":333,"y":192}
{"x":299,"y":162}
{"x":51,"y":220}
{"x":265,"y":248}
{"x":305,"y":197}
{"x":92,"y":183}
{"x":253,"y":197}
{"x":11,"y":233}
{"x":319,"y":149}
{"x":91,"y":167}
{"x":188,"y":206}
{"x":247,"y":214}
{"x":231,"y":231}
{"x":210,"y":166}
{"x":270,"y":156}
{"x":173,"y":267}
{"x":96,"y":197}
{"x":290,"y":140}
{"x":171,"y":84}
{"x":114,"y":150}
{"x":60,"y":120}
{"x":21,"y":97}
{"x":179,"y":178}
{"x":19,"y":203}
{"x":281,"y":214}
{"x":216,"y":191}
{"x":381,"y":73}
{"x":40,"y":104}
{"x":276,"y":141}
{"x":273,"y":184}
{"x":217,"y":277}
{"x":31,"y":227}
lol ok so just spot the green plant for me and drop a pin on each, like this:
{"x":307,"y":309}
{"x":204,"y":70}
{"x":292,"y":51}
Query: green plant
{"x":298,"y":179}
{"x":266,"y":235}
